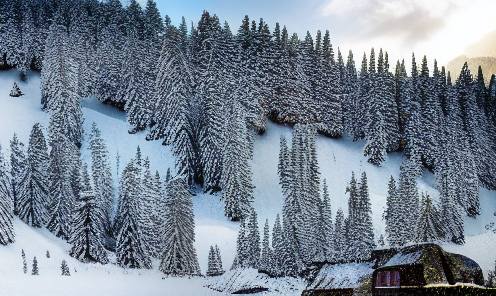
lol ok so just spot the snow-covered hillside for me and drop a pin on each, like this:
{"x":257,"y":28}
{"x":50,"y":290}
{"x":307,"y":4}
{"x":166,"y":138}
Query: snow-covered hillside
{"x":337,"y":159}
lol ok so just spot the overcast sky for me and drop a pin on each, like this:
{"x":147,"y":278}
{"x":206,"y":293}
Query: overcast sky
{"x":439,"y":29}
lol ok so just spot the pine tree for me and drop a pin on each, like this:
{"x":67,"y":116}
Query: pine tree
{"x":430,"y":227}
{"x":266,"y":254}
{"x":392,"y":215}
{"x":7,"y":233}
{"x":61,"y":192}
{"x":24,"y":263}
{"x":179,"y":256}
{"x":277,"y":248}
{"x":103,"y":185}
{"x":130,"y":245}
{"x":17,"y":165}
{"x":33,"y":195}
{"x":16,"y":91}
{"x":87,"y":230}
{"x":327,"y":225}
{"x":340,"y":238}
{"x":237,"y":188}
{"x":219,"y":259}
{"x":65,"y":268}
{"x":253,"y":241}
{"x":214,"y":262}
{"x":35,"y":270}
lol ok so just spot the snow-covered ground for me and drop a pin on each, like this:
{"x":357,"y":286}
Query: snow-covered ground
{"x":337,"y":159}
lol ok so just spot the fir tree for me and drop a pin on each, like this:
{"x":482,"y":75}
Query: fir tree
{"x":24,"y":263}
{"x":35,"y":270}
{"x":16,"y":91}
{"x":65,"y":268}
{"x":327,"y":225}
{"x":7,"y":234}
{"x":179,"y":257}
{"x":17,"y":165}
{"x":130,"y":245}
{"x":430,"y":226}
{"x":277,"y":248}
{"x":340,"y":238}
{"x":266,"y":254}
{"x":103,"y":185}
{"x":87,"y":230}
{"x":33,"y":195}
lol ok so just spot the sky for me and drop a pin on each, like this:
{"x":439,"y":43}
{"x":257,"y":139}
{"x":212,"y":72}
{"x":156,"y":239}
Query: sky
{"x":439,"y":29}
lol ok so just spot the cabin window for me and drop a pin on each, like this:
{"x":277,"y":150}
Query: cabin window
{"x":388,"y":279}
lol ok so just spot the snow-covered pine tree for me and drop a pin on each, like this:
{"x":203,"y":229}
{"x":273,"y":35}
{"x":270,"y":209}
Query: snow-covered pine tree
{"x":179,"y":257}
{"x":392,"y":215}
{"x":340,"y":238}
{"x":33,"y":194}
{"x":327,"y":225}
{"x":219,"y":260}
{"x":130,"y":246}
{"x":109,"y":53}
{"x":253,"y":241}
{"x":65,"y":268}
{"x":63,"y":159}
{"x":16,"y":91}
{"x":241,"y":247}
{"x":364,"y":226}
{"x":237,"y":188}
{"x":266,"y":254}
{"x":352,"y":231}
{"x":175,"y":109}
{"x":86,"y":237}
{"x":7,"y":233}
{"x":102,"y":180}
{"x":149,"y":211}
{"x":17,"y":166}
{"x":35,"y":270}
{"x":214,"y":262}
{"x":24,"y":263}
{"x":430,"y":227}
{"x":277,"y":248}
{"x":408,"y":191}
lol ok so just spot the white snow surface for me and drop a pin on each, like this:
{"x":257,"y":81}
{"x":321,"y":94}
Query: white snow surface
{"x":341,"y":276}
{"x":244,"y":279}
{"x":337,"y":159}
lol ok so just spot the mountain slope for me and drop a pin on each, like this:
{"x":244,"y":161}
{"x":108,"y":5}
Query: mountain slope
{"x":337,"y":159}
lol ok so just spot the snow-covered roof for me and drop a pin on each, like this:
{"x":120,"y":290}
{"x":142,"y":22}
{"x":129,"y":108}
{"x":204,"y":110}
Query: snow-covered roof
{"x":404,"y":258}
{"x":341,"y":276}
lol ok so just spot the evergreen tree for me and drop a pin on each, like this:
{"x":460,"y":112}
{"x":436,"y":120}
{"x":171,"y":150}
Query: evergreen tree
{"x":278,"y":248}
{"x":33,"y":195}
{"x":87,"y":230}
{"x":17,"y":166}
{"x":61,"y":192}
{"x":430,"y":227}
{"x":35,"y":270}
{"x":266,"y":254}
{"x":253,"y":241}
{"x":103,"y":185}
{"x":179,"y":256}
{"x":214,"y":262}
{"x":7,"y":234}
{"x":130,"y":245}
{"x":65,"y":268}
{"x":24,"y":263}
{"x":392,"y":215}
{"x":16,"y":91}
{"x":327,"y":225}
{"x":340,"y":238}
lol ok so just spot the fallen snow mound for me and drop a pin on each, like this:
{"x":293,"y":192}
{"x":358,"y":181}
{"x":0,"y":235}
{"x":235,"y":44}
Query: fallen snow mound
{"x":241,"y":281}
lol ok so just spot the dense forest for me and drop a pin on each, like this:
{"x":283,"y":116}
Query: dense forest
{"x":206,"y":91}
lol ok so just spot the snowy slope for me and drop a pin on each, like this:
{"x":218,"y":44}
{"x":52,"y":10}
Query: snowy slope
{"x":337,"y":159}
